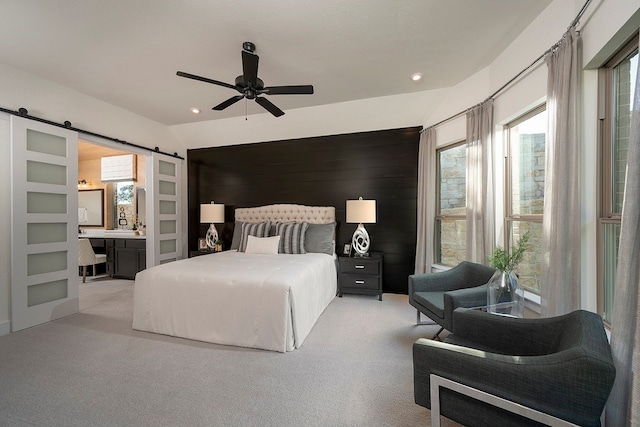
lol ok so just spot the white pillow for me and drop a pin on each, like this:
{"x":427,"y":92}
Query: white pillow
{"x":262,"y":245}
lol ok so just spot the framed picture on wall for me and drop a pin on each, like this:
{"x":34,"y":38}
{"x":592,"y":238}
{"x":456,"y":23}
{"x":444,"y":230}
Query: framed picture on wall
{"x":346,"y":251}
{"x":202,"y":244}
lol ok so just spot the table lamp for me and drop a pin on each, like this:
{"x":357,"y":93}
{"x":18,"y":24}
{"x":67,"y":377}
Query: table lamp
{"x":212,"y":213}
{"x":361,"y":212}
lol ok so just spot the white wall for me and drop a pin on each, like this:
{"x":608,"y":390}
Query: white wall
{"x":387,"y":112}
{"x":56,"y":103}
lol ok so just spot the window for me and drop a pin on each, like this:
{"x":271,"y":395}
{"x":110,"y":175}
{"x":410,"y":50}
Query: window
{"x":617,"y":80}
{"x":123,"y":206}
{"x":124,"y":193}
{"x":526,"y":141}
{"x":451,"y":221}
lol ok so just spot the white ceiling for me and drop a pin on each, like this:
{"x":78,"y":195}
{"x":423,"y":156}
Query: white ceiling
{"x":89,"y":151}
{"x":127,"y":52}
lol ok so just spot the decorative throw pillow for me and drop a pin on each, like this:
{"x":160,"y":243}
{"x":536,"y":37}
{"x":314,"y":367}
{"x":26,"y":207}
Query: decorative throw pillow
{"x":319,"y":238}
{"x":262,"y":245}
{"x":291,"y":237}
{"x":259,"y":229}
{"x":237,"y":232}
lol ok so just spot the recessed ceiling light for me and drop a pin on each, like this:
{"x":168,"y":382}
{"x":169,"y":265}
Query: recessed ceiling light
{"x":195,"y":111}
{"x":416,"y":76}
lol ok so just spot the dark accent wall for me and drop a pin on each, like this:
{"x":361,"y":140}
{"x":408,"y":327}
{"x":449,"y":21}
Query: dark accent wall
{"x":320,"y":171}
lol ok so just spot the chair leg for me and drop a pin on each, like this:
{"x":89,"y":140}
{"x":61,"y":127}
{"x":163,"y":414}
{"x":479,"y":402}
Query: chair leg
{"x":94,"y":270}
{"x":84,"y":273}
{"x":436,"y":337}
{"x":419,"y":320}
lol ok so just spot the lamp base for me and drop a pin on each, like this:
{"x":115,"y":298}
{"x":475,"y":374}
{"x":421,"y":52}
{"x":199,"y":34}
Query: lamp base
{"x":212,"y":237}
{"x":360,"y":242}
{"x":357,"y":255}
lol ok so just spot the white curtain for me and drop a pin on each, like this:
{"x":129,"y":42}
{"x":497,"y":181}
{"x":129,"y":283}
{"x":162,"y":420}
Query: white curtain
{"x":480,"y":208}
{"x":623,"y":408}
{"x":426,"y":201}
{"x":560,"y":278}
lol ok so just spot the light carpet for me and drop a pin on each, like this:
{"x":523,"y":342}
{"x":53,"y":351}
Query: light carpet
{"x":91,"y":369}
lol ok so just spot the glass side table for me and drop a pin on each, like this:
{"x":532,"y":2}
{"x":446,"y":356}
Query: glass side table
{"x":507,"y":309}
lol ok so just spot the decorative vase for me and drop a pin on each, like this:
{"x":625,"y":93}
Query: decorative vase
{"x":505,"y":295}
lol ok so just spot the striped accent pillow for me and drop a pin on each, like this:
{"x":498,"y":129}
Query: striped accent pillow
{"x":291,"y":237}
{"x":258,"y":229}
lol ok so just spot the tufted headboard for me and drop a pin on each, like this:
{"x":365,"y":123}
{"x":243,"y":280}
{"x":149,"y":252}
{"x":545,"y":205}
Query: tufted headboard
{"x":298,"y":213}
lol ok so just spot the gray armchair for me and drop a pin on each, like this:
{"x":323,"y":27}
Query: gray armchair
{"x":561,"y":366}
{"x":436,"y":295}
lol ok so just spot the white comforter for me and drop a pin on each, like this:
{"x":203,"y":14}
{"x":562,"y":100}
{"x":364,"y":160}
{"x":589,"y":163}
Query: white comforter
{"x":250,"y":300}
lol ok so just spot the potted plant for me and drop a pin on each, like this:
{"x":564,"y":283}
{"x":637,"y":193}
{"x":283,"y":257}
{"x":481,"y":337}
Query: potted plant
{"x":504,"y":294}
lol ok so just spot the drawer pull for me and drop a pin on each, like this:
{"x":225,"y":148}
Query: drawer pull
{"x":359,"y":266}
{"x":359,"y":282}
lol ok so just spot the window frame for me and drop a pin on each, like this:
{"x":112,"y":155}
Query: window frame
{"x":437,"y":241}
{"x":606,"y":146}
{"x":509,"y":217}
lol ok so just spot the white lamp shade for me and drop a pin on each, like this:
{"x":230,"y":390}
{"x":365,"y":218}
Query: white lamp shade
{"x":212,"y":213}
{"x":361,"y":211}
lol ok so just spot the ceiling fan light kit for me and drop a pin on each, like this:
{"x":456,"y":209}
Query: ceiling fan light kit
{"x":250,"y":86}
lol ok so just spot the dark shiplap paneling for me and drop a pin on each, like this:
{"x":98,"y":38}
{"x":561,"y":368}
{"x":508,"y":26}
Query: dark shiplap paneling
{"x":323,"y":171}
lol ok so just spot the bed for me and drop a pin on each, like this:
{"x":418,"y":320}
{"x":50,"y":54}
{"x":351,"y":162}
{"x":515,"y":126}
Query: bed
{"x":246,"y":297}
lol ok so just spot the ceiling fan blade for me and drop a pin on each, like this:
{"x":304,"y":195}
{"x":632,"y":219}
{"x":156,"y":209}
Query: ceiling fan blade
{"x":228,"y":102}
{"x":250,"y":68}
{"x":206,"y":80}
{"x":288,"y":90}
{"x":269,"y":106}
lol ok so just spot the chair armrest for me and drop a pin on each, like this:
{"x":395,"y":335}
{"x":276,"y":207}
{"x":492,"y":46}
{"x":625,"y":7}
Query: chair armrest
{"x":429,"y":282}
{"x":568,"y":385}
{"x":464,"y":275}
{"x":466,"y":298}
{"x":524,"y":337}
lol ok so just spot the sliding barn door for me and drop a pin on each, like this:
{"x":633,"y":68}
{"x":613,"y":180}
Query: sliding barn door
{"x":164,"y":210}
{"x":44,"y":223}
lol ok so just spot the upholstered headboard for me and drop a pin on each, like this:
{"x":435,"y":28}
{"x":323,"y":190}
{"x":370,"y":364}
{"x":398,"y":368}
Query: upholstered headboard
{"x":298,"y":213}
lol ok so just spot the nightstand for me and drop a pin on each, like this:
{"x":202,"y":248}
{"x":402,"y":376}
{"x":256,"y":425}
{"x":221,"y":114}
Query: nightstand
{"x":361,"y":275}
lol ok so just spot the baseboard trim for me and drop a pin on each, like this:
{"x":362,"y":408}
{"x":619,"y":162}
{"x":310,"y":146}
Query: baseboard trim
{"x":5,"y":327}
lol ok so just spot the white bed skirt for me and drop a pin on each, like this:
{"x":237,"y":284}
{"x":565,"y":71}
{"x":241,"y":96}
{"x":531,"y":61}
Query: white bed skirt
{"x":261,"y":301}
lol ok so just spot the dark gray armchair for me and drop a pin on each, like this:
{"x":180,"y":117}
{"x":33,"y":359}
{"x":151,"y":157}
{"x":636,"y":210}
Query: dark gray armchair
{"x":561,"y":366}
{"x":436,"y":295}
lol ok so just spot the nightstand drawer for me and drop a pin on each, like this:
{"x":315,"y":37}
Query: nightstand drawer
{"x":357,"y":281}
{"x":359,"y":266}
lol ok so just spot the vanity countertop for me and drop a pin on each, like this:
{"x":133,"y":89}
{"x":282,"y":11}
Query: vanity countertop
{"x":110,"y":234}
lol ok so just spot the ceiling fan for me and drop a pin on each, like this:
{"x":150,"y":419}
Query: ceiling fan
{"x":250,"y":86}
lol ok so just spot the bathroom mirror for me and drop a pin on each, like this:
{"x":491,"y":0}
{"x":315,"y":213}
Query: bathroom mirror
{"x":141,"y":205}
{"x":91,"y":208}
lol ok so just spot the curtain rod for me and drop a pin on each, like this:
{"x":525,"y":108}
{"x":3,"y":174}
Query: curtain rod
{"x":22,"y":112}
{"x":527,"y":68}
